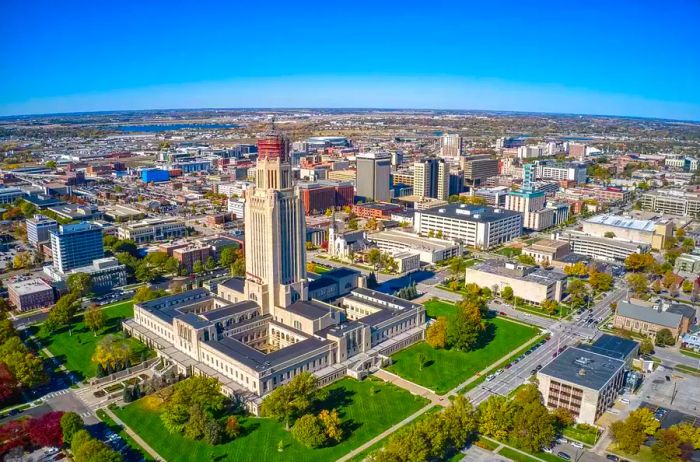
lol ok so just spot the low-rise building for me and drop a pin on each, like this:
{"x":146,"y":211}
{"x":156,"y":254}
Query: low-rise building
{"x":376,"y":209}
{"x":152,"y":229}
{"x":407,"y":260}
{"x":547,"y":250}
{"x":534,"y":285}
{"x":586,"y":383}
{"x":39,"y":229}
{"x":335,"y":283}
{"x":648,"y":318}
{"x":430,"y":250}
{"x":601,"y":248}
{"x":687,"y":263}
{"x":30,"y":294}
{"x":672,"y":202}
{"x":188,"y":256}
{"x":654,"y":233}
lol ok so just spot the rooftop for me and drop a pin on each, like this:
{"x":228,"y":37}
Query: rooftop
{"x":649,"y":314}
{"x":612,"y":346}
{"x":622,"y":222}
{"x":412,"y":240}
{"x":584,"y":368}
{"x":522,"y":272}
{"x":28,"y":286}
{"x":471,"y":212}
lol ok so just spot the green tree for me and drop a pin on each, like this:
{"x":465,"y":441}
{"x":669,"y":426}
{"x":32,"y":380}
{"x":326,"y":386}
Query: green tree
{"x":646,"y":347}
{"x":577,"y":269}
{"x":62,"y":313}
{"x":495,"y":418}
{"x":71,"y":423}
{"x":422,"y":360}
{"x":308,"y":430}
{"x":227,"y":257}
{"x":688,"y":433}
{"x":94,"y":319}
{"x":577,"y":293}
{"x":238,"y":268}
{"x":638,"y":282}
{"x":600,"y":282}
{"x":664,"y":337}
{"x":459,"y":422}
{"x":527,"y":260}
{"x":507,"y":293}
{"x":550,"y":306}
{"x":196,"y":399}
{"x":145,"y":293}
{"x":210,"y":264}
{"x":464,"y":332}
{"x":374,"y":257}
{"x":172,"y":266}
{"x":687,"y":286}
{"x":291,"y":400}
{"x":197,"y":267}
{"x":639,"y":261}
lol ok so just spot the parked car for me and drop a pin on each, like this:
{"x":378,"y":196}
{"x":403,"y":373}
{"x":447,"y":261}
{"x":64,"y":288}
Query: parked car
{"x":612,"y":457}
{"x":563,"y":455}
{"x":577,"y":444}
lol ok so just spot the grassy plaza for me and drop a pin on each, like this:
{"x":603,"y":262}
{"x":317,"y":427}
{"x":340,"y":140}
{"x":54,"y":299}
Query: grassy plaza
{"x":74,"y":347}
{"x":448,"y":368}
{"x":366,"y":409}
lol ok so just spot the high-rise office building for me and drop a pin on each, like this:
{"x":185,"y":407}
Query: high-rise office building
{"x":76,"y":245}
{"x":372,"y":182}
{"x":451,"y":145}
{"x":39,"y":228}
{"x":431,"y":178}
{"x":477,"y":169}
{"x":275,"y":230}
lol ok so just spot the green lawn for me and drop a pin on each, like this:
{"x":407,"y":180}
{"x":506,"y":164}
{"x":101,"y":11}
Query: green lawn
{"x":509,"y":252}
{"x":515,"y":455}
{"x":75,"y":347}
{"x":448,"y":368}
{"x":364,"y":415}
{"x":691,"y":353}
{"x":585,"y":435}
{"x":102,"y":415}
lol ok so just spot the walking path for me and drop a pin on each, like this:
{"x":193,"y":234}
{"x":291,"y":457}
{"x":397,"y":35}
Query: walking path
{"x":386,"y":433}
{"x":134,"y":435}
{"x":413,"y":388}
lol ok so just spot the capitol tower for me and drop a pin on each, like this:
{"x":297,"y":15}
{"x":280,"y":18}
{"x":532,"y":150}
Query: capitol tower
{"x":275,"y":232}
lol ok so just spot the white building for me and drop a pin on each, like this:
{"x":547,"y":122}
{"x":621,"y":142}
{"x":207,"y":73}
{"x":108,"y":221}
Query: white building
{"x":474,"y":226}
{"x":431,"y":250}
{"x":450,"y":145}
{"x":237,"y":207}
{"x":152,"y":229}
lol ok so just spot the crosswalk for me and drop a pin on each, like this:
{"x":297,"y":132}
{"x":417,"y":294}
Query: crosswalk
{"x":56,"y":393}
{"x":86,"y":414}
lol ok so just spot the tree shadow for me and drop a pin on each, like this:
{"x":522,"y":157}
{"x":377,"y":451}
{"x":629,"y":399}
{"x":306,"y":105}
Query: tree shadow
{"x":337,"y":398}
{"x":248,"y":427}
{"x":486,"y":336}
{"x":428,"y":363}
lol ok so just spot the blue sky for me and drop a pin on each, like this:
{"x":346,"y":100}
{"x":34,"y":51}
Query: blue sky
{"x":637,"y":58}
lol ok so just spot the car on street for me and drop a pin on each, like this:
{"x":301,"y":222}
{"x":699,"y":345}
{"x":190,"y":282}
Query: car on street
{"x":539,"y":366}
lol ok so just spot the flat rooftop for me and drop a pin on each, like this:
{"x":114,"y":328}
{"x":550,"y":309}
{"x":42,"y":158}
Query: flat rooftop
{"x":583,"y":368}
{"x":618,"y":221}
{"x":29,"y":286}
{"x":471,"y":213}
{"x":413,"y":241}
{"x":521,"y":272}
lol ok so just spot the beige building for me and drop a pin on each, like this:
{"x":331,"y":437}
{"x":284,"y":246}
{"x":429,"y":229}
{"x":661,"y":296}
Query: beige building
{"x":621,"y":228}
{"x":30,"y":294}
{"x":547,"y":250}
{"x":583,"y":382}
{"x":532,"y":284}
{"x":152,"y":229}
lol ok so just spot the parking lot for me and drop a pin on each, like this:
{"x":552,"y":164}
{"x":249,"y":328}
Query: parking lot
{"x":673,"y":390}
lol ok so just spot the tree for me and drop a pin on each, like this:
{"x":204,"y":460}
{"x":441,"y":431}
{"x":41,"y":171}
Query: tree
{"x":646,"y":347}
{"x":94,"y":319}
{"x":145,"y":293}
{"x":577,"y":293}
{"x":667,"y":446}
{"x":680,"y":233}
{"x":62,"y":314}
{"x":145,"y":272}
{"x":507,"y":293}
{"x":374,"y":257}
{"x":228,"y":256}
{"x":669,"y":279}
{"x":112,"y":352}
{"x":372,"y":282}
{"x":664,"y":337}
{"x":422,"y":360}
{"x":459,"y":422}
{"x":331,"y":425}
{"x":233,"y":427}
{"x":688,"y":433}
{"x":600,"y":282}
{"x":550,"y":306}
{"x":79,"y":283}
{"x":609,"y":234}
{"x":465,"y":330}
{"x":687,"y":286}
{"x":87,"y":449}
{"x":563,"y":417}
{"x":656,"y":286}
{"x":639,"y":283}
{"x":238,"y":268}
{"x":13,"y":435}
{"x":8,"y":383}
{"x":533,"y":426}
{"x":436,"y":333}
{"x":210,"y":264}
{"x":7,"y":329}
{"x":71,"y":423}
{"x":577,"y":269}
{"x":308,"y":430}
{"x":639,"y":261}
{"x":495,"y":417}
{"x":291,"y":400}
{"x":527,"y":259}
{"x":213,"y":431}
{"x":191,"y":405}
{"x":197,"y":267}
{"x":352,"y":224}
{"x":45,"y":431}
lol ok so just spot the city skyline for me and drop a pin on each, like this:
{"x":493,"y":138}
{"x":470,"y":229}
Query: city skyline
{"x":619,"y":60}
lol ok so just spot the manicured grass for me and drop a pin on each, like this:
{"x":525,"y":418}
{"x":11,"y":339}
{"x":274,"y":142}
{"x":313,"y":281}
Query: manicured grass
{"x":75,"y":347}
{"x":516,"y":456}
{"x":688,"y":369}
{"x":644,"y":454}
{"x":364,"y":415}
{"x":446,"y":369}
{"x":561,"y":311}
{"x":691,"y":353}
{"x":102,"y":415}
{"x":585,"y":435}
{"x":509,"y":252}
